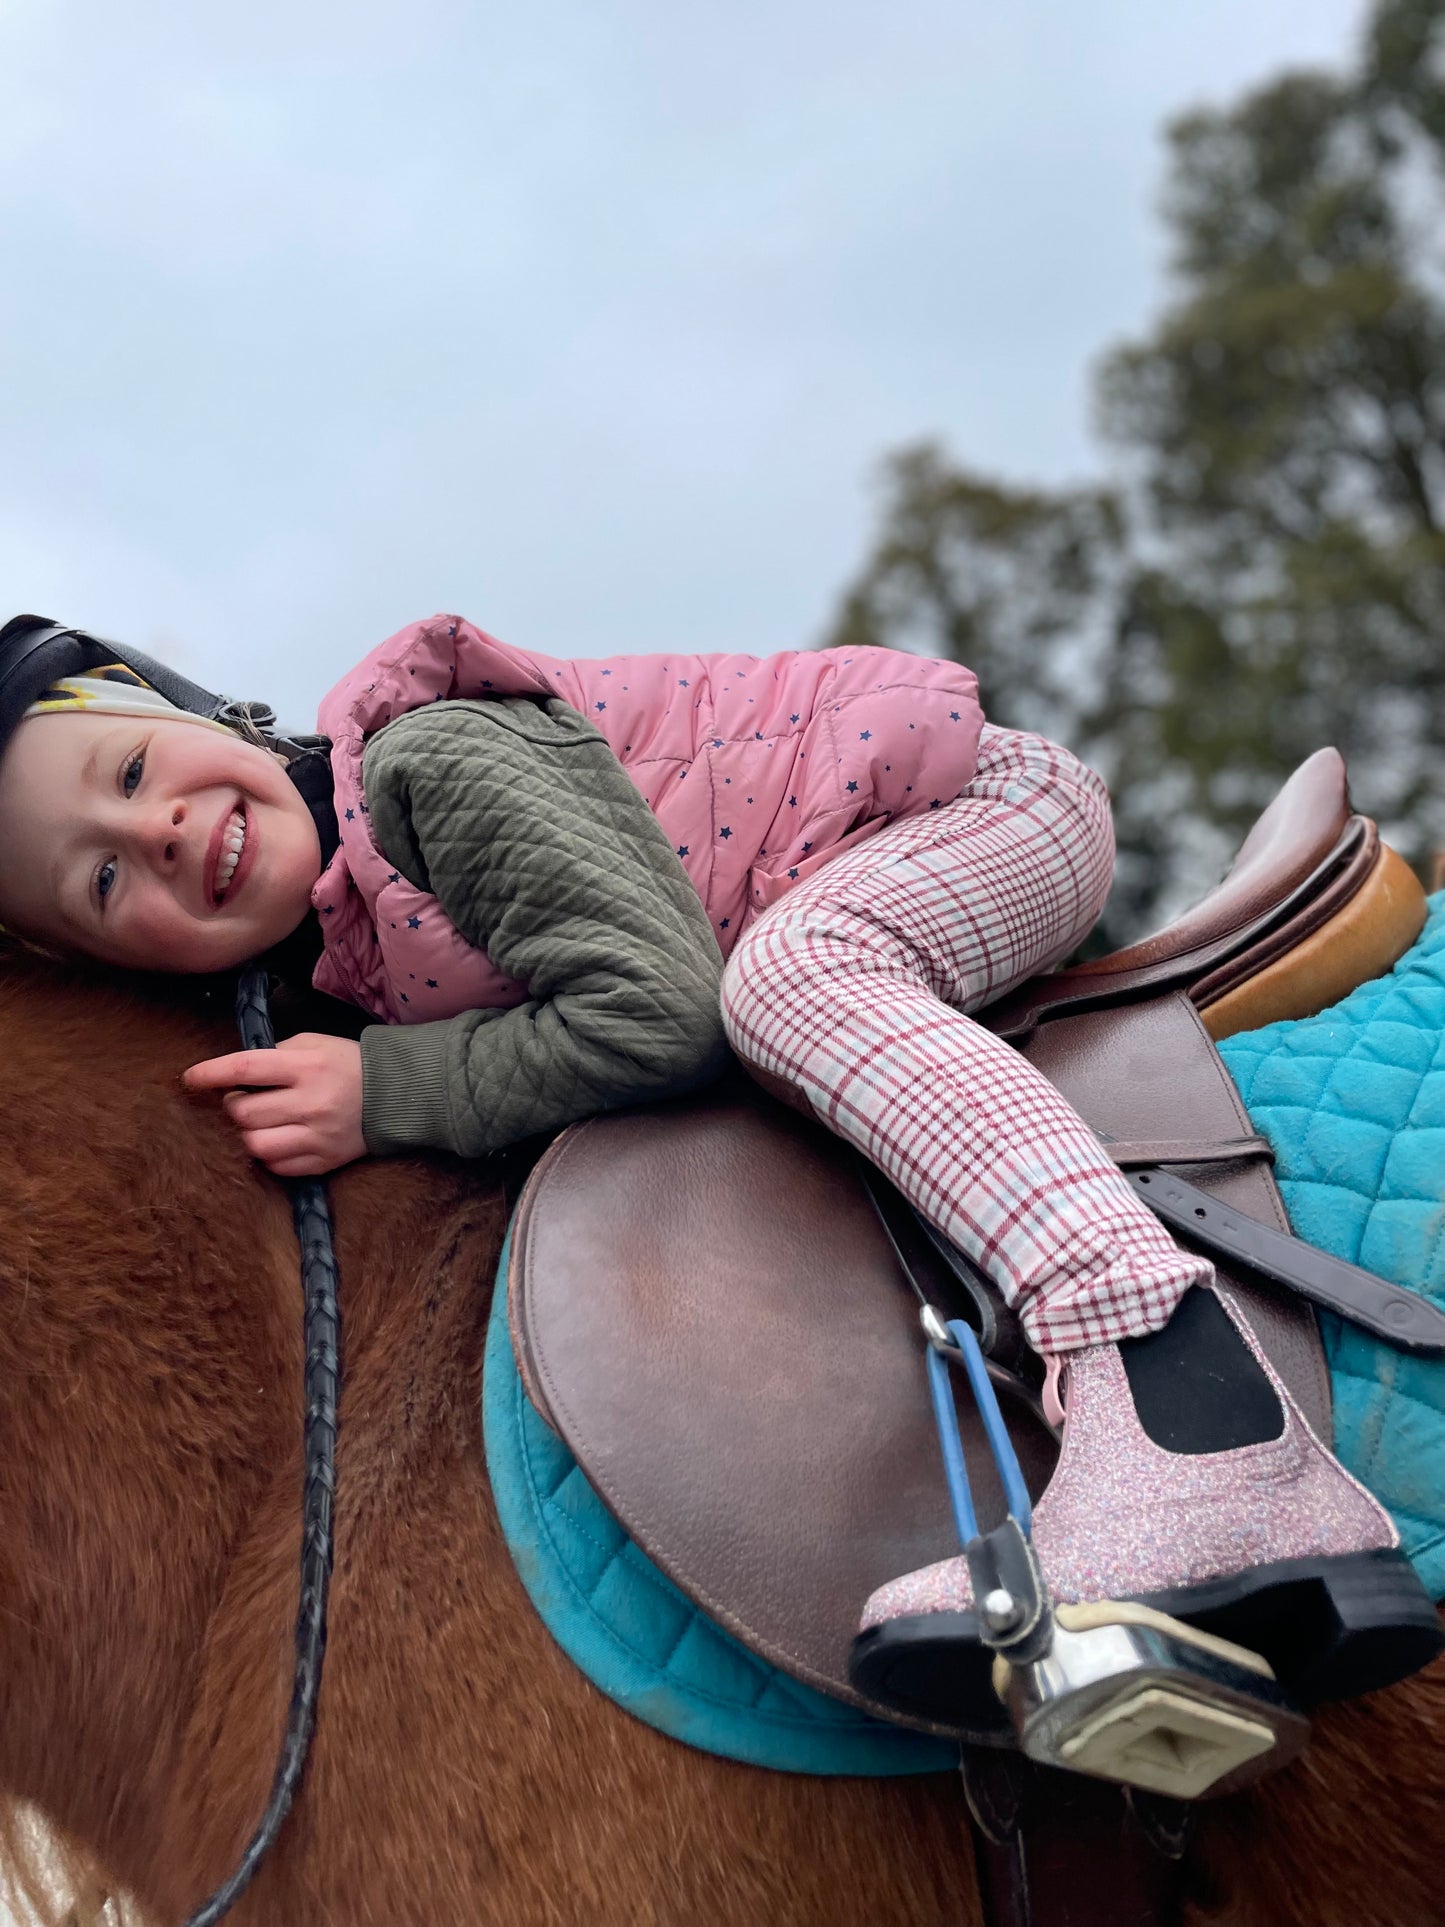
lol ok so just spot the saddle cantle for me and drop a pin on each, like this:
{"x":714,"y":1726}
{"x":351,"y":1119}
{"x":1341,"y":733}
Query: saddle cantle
{"x":1313,"y":905}
{"x":751,"y":1407}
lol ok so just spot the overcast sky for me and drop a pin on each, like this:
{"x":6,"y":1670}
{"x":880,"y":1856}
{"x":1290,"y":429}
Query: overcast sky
{"x":588,"y":320}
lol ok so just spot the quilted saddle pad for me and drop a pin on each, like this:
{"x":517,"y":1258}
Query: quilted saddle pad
{"x":1353,"y":1102}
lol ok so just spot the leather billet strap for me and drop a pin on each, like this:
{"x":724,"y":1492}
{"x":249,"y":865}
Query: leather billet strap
{"x":1384,"y":1309}
{"x":1400,"y":1317}
{"x":1053,"y":1849}
{"x":1166,"y":1150}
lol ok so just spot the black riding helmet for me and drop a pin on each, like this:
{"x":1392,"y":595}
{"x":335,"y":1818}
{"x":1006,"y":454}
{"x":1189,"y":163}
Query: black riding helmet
{"x":36,"y":652}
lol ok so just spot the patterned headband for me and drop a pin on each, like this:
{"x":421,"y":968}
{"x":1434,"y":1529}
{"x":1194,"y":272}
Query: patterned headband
{"x":113,"y":689}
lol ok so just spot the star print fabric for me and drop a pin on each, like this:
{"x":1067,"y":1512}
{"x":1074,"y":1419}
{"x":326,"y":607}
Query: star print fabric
{"x":856,"y":988}
{"x":758,"y":768}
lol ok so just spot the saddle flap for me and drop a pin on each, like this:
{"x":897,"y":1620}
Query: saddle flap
{"x":751,"y":1407}
{"x":707,"y":1309}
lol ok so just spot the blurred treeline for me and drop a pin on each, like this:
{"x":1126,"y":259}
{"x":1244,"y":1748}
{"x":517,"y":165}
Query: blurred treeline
{"x":1265,"y":570}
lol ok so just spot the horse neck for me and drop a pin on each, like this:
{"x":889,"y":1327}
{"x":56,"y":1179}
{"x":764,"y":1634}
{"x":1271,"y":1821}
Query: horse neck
{"x":150,"y":1352}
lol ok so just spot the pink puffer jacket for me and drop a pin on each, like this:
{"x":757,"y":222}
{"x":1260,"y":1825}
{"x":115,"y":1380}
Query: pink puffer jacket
{"x":760,"y":769}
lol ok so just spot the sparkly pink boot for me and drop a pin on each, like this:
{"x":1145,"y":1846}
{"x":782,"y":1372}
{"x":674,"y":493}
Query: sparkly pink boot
{"x":1189,"y":1480}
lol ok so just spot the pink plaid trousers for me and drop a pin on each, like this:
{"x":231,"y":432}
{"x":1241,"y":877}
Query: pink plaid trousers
{"x":855,"y":988}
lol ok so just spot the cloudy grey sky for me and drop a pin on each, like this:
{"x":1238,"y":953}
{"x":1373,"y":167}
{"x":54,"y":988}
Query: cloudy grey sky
{"x":589,"y":318}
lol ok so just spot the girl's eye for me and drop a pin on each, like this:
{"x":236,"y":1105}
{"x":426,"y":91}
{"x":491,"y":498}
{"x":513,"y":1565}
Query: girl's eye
{"x":130,"y":778}
{"x":105,"y":881}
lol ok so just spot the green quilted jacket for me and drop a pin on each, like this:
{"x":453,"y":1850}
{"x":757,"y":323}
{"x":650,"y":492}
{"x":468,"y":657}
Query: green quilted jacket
{"x":517,"y":816}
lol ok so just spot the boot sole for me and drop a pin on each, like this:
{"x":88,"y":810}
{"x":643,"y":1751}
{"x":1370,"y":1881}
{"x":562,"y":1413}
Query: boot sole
{"x":1331,"y":1629}
{"x":934,"y":1667}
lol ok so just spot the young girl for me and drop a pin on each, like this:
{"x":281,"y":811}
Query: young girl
{"x":565,"y":886}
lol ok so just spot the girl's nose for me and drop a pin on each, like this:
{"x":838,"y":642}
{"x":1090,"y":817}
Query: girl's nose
{"x":163,"y":834}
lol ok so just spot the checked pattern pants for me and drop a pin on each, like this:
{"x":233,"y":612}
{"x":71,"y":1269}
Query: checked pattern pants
{"x":856,"y":989}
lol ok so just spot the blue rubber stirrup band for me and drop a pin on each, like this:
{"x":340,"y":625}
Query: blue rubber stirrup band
{"x":951,"y":1441}
{"x":955,"y":1469}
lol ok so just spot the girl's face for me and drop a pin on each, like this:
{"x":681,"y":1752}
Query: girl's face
{"x":117,"y":836}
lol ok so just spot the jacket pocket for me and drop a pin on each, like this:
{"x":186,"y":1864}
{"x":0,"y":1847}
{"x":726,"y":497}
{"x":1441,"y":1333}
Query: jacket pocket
{"x":767,"y":886}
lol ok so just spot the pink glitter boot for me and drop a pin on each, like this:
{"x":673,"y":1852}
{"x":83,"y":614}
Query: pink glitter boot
{"x":1190,"y":1481}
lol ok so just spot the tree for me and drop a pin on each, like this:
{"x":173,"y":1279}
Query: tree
{"x":1010,"y":581}
{"x":1267,"y":572}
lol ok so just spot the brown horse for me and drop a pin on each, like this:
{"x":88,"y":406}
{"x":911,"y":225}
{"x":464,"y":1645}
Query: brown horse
{"x":462,"y":1771}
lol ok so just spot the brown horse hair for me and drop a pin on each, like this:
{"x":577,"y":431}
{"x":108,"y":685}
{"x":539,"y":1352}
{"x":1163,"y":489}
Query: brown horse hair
{"x":462,"y":1772}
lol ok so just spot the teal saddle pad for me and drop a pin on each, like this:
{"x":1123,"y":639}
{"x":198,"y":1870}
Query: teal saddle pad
{"x":1353,"y":1102}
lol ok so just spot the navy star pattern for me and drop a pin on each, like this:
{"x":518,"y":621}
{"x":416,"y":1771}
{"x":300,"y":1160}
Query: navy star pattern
{"x":738,"y":744}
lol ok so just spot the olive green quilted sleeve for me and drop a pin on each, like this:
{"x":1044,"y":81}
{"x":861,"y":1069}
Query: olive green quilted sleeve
{"x":520,"y":820}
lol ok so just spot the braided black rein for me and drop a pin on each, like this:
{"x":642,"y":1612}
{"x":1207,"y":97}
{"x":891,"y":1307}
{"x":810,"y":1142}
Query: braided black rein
{"x":323,"y":1372}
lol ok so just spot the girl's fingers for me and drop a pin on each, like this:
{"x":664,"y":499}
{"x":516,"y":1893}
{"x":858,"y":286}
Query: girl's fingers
{"x":298,"y":1168}
{"x":278,"y":1144}
{"x":255,"y":1110}
{"x":240,"y":1067}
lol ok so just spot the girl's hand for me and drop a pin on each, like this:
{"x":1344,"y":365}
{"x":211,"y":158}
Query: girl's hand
{"x":298,"y":1107}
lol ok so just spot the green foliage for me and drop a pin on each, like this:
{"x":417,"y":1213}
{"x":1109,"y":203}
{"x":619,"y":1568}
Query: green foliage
{"x":1003,"y":579}
{"x":1269,"y":573}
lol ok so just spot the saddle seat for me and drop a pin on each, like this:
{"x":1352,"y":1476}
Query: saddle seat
{"x":1313,"y":905}
{"x":752,"y":1409}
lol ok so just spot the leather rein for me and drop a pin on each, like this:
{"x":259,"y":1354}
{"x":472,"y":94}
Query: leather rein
{"x":323,"y":1373}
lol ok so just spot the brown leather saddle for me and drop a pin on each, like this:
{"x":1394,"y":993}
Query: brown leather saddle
{"x":707,"y":1307}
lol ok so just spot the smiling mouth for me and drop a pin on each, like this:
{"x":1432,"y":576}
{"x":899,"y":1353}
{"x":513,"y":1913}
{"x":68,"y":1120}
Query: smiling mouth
{"x":233,"y":842}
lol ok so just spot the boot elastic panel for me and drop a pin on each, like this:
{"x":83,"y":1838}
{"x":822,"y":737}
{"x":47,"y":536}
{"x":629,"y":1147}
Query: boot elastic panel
{"x":1196,"y":1385}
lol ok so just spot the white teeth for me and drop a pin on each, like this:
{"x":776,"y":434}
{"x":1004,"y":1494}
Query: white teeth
{"x":232,"y":844}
